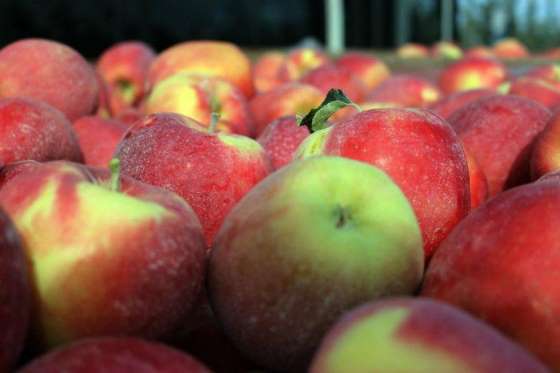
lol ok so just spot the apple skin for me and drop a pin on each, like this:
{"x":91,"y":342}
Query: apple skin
{"x":510,"y":48}
{"x":211,"y":171}
{"x":538,"y":90}
{"x":412,"y":335}
{"x":51,"y":72}
{"x":545,"y":156}
{"x":115,"y":354}
{"x":500,"y":264}
{"x":480,"y":51}
{"x":32,"y":129}
{"x":499,"y":132}
{"x":277,"y":284}
{"x":195,"y":97}
{"x":370,"y":70}
{"x":330,"y":76}
{"x":124,"y":67}
{"x":453,"y":102}
{"x":266,"y":71}
{"x":549,"y":72}
{"x":472,"y":73}
{"x":418,"y":150}
{"x":300,"y":61}
{"x":143,"y":243}
{"x":406,"y":90}
{"x":98,"y":138}
{"x":103,"y":106}
{"x":446,"y":49}
{"x":205,"y":57}
{"x":130,"y":116}
{"x":287,"y":99}
{"x":15,"y":292}
{"x":413,"y":50}
{"x":478,"y":185}
{"x":280,"y":140}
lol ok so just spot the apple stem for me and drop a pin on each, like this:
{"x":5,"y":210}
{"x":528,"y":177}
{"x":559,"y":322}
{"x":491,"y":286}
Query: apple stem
{"x":214,"y":118}
{"x":317,"y":118}
{"x":115,"y":167}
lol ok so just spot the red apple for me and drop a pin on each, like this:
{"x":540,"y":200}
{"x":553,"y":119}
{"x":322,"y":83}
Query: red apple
{"x":329,"y":76}
{"x":205,"y":57}
{"x":115,"y":355}
{"x":480,"y":51}
{"x":266,"y":71}
{"x":277,"y":284}
{"x":15,"y":293}
{"x":545,"y":157}
{"x":211,"y":171}
{"x":370,"y":70}
{"x":500,"y":264}
{"x":472,"y":73}
{"x":450,"y":104}
{"x":549,"y":72}
{"x":510,"y":48}
{"x":499,"y":132}
{"x":413,"y":50}
{"x":130,"y":116}
{"x":103,"y":106}
{"x":300,"y":61}
{"x":32,"y":129}
{"x":124,"y":67}
{"x":281,"y":138}
{"x":49,"y":71}
{"x":287,"y":99}
{"x":418,"y":335}
{"x":536,"y":89}
{"x":446,"y":49}
{"x":405,"y":90}
{"x":478,"y":185}
{"x":83,"y":227}
{"x":98,"y":139}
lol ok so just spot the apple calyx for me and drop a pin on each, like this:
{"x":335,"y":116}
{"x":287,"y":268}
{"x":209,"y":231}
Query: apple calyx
{"x":342,"y":216}
{"x":317,"y":117}
{"x":115,"y":167}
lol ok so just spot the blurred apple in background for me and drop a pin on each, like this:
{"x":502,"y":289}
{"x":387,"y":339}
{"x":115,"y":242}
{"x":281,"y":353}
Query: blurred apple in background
{"x":370,"y":70}
{"x":472,"y":73}
{"x":446,"y":49}
{"x":479,"y":51}
{"x":266,"y":71}
{"x":453,"y":102}
{"x":300,"y":61}
{"x":536,"y":89}
{"x":510,"y":48}
{"x":406,"y":90}
{"x":330,"y":76}
{"x":412,"y":50}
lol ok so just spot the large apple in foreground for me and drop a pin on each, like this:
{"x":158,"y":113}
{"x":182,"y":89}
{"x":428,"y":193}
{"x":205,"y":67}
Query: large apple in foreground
{"x":311,"y":241}
{"x":109,"y":255}
{"x":115,"y":355}
{"x":414,"y":335}
{"x":501,"y":265}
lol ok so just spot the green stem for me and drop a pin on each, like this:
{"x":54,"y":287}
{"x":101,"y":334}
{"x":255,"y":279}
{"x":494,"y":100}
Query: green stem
{"x":214,"y":119}
{"x":115,"y":167}
{"x":317,"y":118}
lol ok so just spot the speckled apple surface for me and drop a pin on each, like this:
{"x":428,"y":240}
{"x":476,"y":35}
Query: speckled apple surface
{"x":545,"y":157}
{"x":281,"y":138}
{"x":453,"y":102}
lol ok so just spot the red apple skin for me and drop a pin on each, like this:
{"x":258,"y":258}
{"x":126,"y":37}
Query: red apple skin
{"x":370,"y":70}
{"x":546,"y":151}
{"x":500,"y":264}
{"x":549,"y":72}
{"x":450,"y":104}
{"x":287,"y":99}
{"x":98,"y":139}
{"x":510,"y":48}
{"x":300,"y":61}
{"x":406,"y":90}
{"x":130,"y":116}
{"x":32,"y":129}
{"x":480,"y":51}
{"x":420,"y":326}
{"x":537,"y":90}
{"x":103,"y":106}
{"x":499,"y":132}
{"x":478,"y":184}
{"x":205,"y":57}
{"x":115,"y":355}
{"x":49,"y":71}
{"x":178,"y":154}
{"x":421,"y":153}
{"x":280,"y":140}
{"x":329,"y":76}
{"x":124,"y":66}
{"x":15,"y":292}
{"x":266,"y":71}
{"x":472,"y":73}
{"x":413,"y":50}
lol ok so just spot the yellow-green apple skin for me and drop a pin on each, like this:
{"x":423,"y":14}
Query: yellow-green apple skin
{"x":314,"y":239}
{"x":472,"y":73}
{"x":198,"y":97}
{"x":104,"y":262}
{"x":418,"y":335}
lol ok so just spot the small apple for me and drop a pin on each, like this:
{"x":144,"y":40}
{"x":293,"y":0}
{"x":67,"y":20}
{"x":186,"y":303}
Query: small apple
{"x":330,"y":76}
{"x":413,"y":50}
{"x":510,"y":48}
{"x":447,"y":50}
{"x":266,"y":71}
{"x":480,"y":51}
{"x":472,"y":73}
{"x":406,"y":90}
{"x":370,"y":70}
{"x":300,"y":61}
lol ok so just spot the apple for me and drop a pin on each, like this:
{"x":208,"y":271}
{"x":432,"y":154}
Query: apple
{"x":446,"y":49}
{"x":544,"y":157}
{"x":300,"y":61}
{"x":406,"y":90}
{"x":413,"y":50}
{"x":266,"y":71}
{"x":478,"y":185}
{"x":417,"y":335}
{"x":210,"y":170}
{"x":330,"y":76}
{"x":15,"y":292}
{"x":83,"y":227}
{"x":51,"y":72}
{"x":124,"y":67}
{"x":199,"y":97}
{"x":536,"y":89}
{"x":103,"y":106}
{"x":287,"y":99}
{"x":549,"y":72}
{"x":499,"y":132}
{"x":115,"y":354}
{"x":314,"y":239}
{"x":453,"y":102}
{"x":98,"y":138}
{"x":553,"y":53}
{"x":472,"y":73}
{"x":480,"y":51}
{"x":205,"y":57}
{"x":129,"y":116}
{"x":510,"y":48}
{"x":32,"y":129}
{"x":417,"y":149}
{"x":499,"y":264}
{"x":370,"y":70}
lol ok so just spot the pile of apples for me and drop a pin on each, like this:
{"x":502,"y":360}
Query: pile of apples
{"x":197,"y":211}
